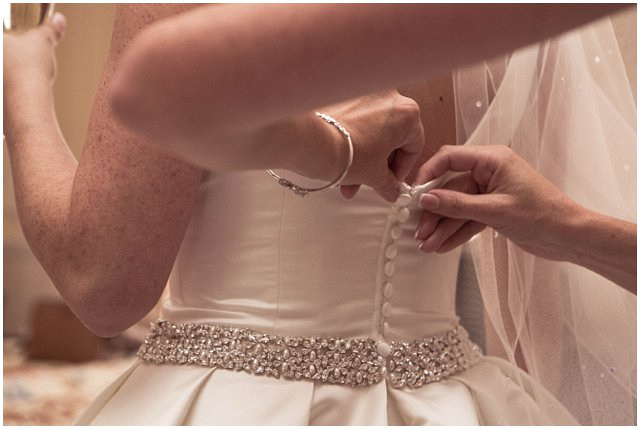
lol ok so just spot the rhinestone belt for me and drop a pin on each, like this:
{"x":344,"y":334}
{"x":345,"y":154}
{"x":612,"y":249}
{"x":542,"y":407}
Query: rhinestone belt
{"x":358,"y":362}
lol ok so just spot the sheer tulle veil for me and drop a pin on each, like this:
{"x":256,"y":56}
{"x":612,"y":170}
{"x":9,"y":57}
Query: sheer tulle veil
{"x":566,"y":106}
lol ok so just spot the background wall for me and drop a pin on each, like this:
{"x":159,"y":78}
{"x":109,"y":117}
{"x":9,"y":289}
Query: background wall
{"x":81,"y":56}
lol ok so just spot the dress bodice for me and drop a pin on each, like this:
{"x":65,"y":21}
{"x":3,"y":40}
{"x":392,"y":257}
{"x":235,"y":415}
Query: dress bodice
{"x":255,"y":255}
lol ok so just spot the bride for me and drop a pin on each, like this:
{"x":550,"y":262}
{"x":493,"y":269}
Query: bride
{"x":357,"y":331}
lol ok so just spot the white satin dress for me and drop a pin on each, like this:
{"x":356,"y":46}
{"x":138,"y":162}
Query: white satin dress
{"x":257,"y":256}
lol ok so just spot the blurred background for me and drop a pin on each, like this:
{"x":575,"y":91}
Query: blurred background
{"x":53,"y":367}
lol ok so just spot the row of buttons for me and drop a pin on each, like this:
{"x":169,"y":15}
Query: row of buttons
{"x":400,"y":215}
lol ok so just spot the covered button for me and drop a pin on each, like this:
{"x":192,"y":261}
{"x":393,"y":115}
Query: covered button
{"x":396,"y":231}
{"x":403,"y":214}
{"x":384,"y":349}
{"x":391,"y":251}
{"x":389,"y":268}
{"x":388,"y":290}
{"x":386,"y":309}
{"x":403,"y":200}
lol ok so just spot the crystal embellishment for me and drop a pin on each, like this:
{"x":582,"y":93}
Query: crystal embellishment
{"x":353,"y":362}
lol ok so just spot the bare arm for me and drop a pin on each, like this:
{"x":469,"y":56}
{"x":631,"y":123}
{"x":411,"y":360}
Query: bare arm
{"x":524,"y":207}
{"x":221,"y":68}
{"x":107,"y":228}
{"x":603,"y":244}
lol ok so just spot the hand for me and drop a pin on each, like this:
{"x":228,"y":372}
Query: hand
{"x":28,"y":57}
{"x":387,"y":137}
{"x":513,"y":198}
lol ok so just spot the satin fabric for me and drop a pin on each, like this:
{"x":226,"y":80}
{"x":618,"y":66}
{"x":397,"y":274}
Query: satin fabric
{"x":257,"y":256}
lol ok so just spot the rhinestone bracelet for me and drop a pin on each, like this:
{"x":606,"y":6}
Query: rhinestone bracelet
{"x":303,"y":192}
{"x":355,"y":362}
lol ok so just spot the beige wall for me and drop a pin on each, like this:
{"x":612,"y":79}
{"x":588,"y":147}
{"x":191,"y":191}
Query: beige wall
{"x":80,"y":58}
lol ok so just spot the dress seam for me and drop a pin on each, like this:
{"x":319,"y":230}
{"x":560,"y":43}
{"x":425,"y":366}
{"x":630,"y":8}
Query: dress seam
{"x":279,"y":269}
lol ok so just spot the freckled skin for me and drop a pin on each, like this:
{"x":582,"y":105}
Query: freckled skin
{"x":130,"y":196}
{"x":106,"y":231}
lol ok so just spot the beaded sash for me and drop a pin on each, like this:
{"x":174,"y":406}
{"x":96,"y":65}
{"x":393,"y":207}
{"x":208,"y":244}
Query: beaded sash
{"x":358,"y":362}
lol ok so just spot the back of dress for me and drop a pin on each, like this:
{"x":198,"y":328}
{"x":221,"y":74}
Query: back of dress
{"x":258,"y":256}
{"x":320,"y":311}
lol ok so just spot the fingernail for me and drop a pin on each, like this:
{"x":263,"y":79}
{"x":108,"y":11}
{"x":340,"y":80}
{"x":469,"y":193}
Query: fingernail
{"x":429,"y":201}
{"x":59,"y":20}
{"x":416,"y":234}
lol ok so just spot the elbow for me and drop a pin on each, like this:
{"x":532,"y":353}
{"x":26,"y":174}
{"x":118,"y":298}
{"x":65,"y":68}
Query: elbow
{"x":103,"y":320}
{"x":106,"y":330}
{"x":106,"y":309}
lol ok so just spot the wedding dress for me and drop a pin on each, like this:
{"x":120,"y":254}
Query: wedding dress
{"x":321,"y":270}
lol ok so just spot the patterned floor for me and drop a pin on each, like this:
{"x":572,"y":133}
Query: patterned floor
{"x":52,"y":393}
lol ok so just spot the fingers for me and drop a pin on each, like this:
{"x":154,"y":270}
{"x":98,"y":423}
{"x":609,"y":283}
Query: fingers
{"x":484,"y":208}
{"x":59,"y":24}
{"x":54,"y":28}
{"x":445,"y":229}
{"x":447,"y":237}
{"x":428,"y":224}
{"x":429,"y":220}
{"x":406,"y":155}
{"x":461,"y":236}
{"x":349,"y":191}
{"x":483,"y":161}
{"x":389,"y":189}
{"x":410,"y":133}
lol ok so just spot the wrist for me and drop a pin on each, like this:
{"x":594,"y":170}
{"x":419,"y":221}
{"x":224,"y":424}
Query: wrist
{"x":321,"y":150}
{"x":26,"y":105}
{"x":26,"y":81}
{"x":571,"y":235}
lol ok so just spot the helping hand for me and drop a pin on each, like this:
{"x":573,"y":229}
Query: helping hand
{"x":387,"y":137}
{"x":513,"y":199}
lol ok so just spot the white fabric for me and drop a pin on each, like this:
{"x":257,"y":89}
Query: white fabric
{"x":257,"y":256}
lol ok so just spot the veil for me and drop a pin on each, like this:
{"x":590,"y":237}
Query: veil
{"x":566,"y":106}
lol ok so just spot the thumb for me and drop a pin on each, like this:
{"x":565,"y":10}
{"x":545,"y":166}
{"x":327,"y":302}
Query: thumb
{"x":389,"y":188}
{"x":55,"y":27}
{"x":406,"y":156}
{"x":349,"y":191}
{"x":484,"y":208}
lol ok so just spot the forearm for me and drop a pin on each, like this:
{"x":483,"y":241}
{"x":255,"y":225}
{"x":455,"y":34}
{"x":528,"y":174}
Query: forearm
{"x":43,"y":170}
{"x":305,"y":144}
{"x":603,"y":244}
{"x":63,"y":219}
{"x":219,"y":68}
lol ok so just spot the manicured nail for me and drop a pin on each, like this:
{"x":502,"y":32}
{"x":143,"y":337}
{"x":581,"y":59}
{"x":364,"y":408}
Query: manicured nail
{"x":416,"y":234}
{"x":429,"y":202}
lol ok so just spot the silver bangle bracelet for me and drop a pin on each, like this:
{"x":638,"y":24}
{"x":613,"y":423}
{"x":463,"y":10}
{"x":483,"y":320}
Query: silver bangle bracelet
{"x":303,"y":192}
